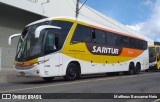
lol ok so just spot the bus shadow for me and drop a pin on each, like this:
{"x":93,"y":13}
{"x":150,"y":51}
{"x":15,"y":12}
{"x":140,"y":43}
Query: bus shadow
{"x":60,"y":79}
{"x":24,"y":80}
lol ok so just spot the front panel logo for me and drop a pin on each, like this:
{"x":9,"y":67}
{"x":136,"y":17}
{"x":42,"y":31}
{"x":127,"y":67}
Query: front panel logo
{"x":103,"y":49}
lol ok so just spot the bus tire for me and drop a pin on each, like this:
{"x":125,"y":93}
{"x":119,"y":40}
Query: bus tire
{"x":138,"y":68}
{"x":72,"y":72}
{"x":48,"y":79}
{"x":156,"y":67}
{"x":131,"y":70}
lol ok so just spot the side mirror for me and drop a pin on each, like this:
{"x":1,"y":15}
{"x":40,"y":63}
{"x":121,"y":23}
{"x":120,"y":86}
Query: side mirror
{"x":40,"y":28}
{"x":12,"y":36}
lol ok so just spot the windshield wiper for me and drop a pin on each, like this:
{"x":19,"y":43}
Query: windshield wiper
{"x":20,"y":50}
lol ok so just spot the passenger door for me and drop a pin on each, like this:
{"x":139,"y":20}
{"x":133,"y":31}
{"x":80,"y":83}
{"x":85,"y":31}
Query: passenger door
{"x":52,"y":60}
{"x":158,"y":57}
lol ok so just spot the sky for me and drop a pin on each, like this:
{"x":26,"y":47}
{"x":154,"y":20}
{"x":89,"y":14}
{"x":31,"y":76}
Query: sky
{"x":140,"y":15}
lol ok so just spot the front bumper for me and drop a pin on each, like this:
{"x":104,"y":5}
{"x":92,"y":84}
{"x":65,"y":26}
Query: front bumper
{"x":32,"y":72}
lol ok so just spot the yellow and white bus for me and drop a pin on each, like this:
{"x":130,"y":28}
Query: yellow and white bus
{"x":154,"y":57}
{"x":71,"y":47}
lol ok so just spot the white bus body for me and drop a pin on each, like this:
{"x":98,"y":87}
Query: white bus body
{"x":68,"y":47}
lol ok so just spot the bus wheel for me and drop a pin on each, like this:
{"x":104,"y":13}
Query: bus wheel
{"x":48,"y":79}
{"x":156,"y":67}
{"x":137,"y":69}
{"x":131,"y":70}
{"x":72,"y":72}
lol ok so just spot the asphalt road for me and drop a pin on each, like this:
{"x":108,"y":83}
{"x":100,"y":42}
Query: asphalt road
{"x":141,"y":83}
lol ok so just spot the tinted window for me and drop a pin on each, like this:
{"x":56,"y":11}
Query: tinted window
{"x":82,"y":34}
{"x":109,"y":39}
{"x":126,"y":41}
{"x":135,"y":43}
{"x":63,"y":32}
{"x":115,"y":39}
{"x":51,"y":41}
{"x":32,"y":28}
{"x":122,"y":41}
{"x":139,"y":44}
{"x":132,"y":43}
{"x":145,"y":45}
{"x":86,"y":34}
{"x":152,"y":56}
{"x":93,"y":36}
{"x":99,"y":37}
{"x":157,"y":49}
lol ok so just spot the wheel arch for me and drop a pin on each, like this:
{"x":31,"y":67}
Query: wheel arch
{"x":72,"y":61}
{"x":131,"y":64}
{"x":138,"y":65}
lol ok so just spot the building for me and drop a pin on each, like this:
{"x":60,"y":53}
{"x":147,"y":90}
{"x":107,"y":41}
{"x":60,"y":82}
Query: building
{"x":12,"y":20}
{"x":16,"y":14}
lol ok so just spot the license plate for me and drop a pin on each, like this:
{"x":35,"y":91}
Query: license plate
{"x":22,"y":73}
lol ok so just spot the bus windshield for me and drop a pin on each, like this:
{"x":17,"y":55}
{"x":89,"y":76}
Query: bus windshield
{"x":152,"y":55}
{"x":30,"y":47}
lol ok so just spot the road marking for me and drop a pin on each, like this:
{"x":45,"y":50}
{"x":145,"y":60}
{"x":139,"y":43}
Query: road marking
{"x":79,"y":82}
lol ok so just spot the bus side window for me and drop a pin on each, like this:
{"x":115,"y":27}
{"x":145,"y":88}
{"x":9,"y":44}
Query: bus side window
{"x":81,"y":34}
{"x":157,"y":50}
{"x":131,"y":43}
{"x":145,"y":44}
{"x":100,"y":37}
{"x":109,"y":39}
{"x":63,"y":32}
{"x":115,"y":39}
{"x":126,"y":41}
{"x":93,"y":36}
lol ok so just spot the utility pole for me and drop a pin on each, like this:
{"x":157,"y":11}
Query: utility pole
{"x":43,"y":11}
{"x":77,"y":8}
